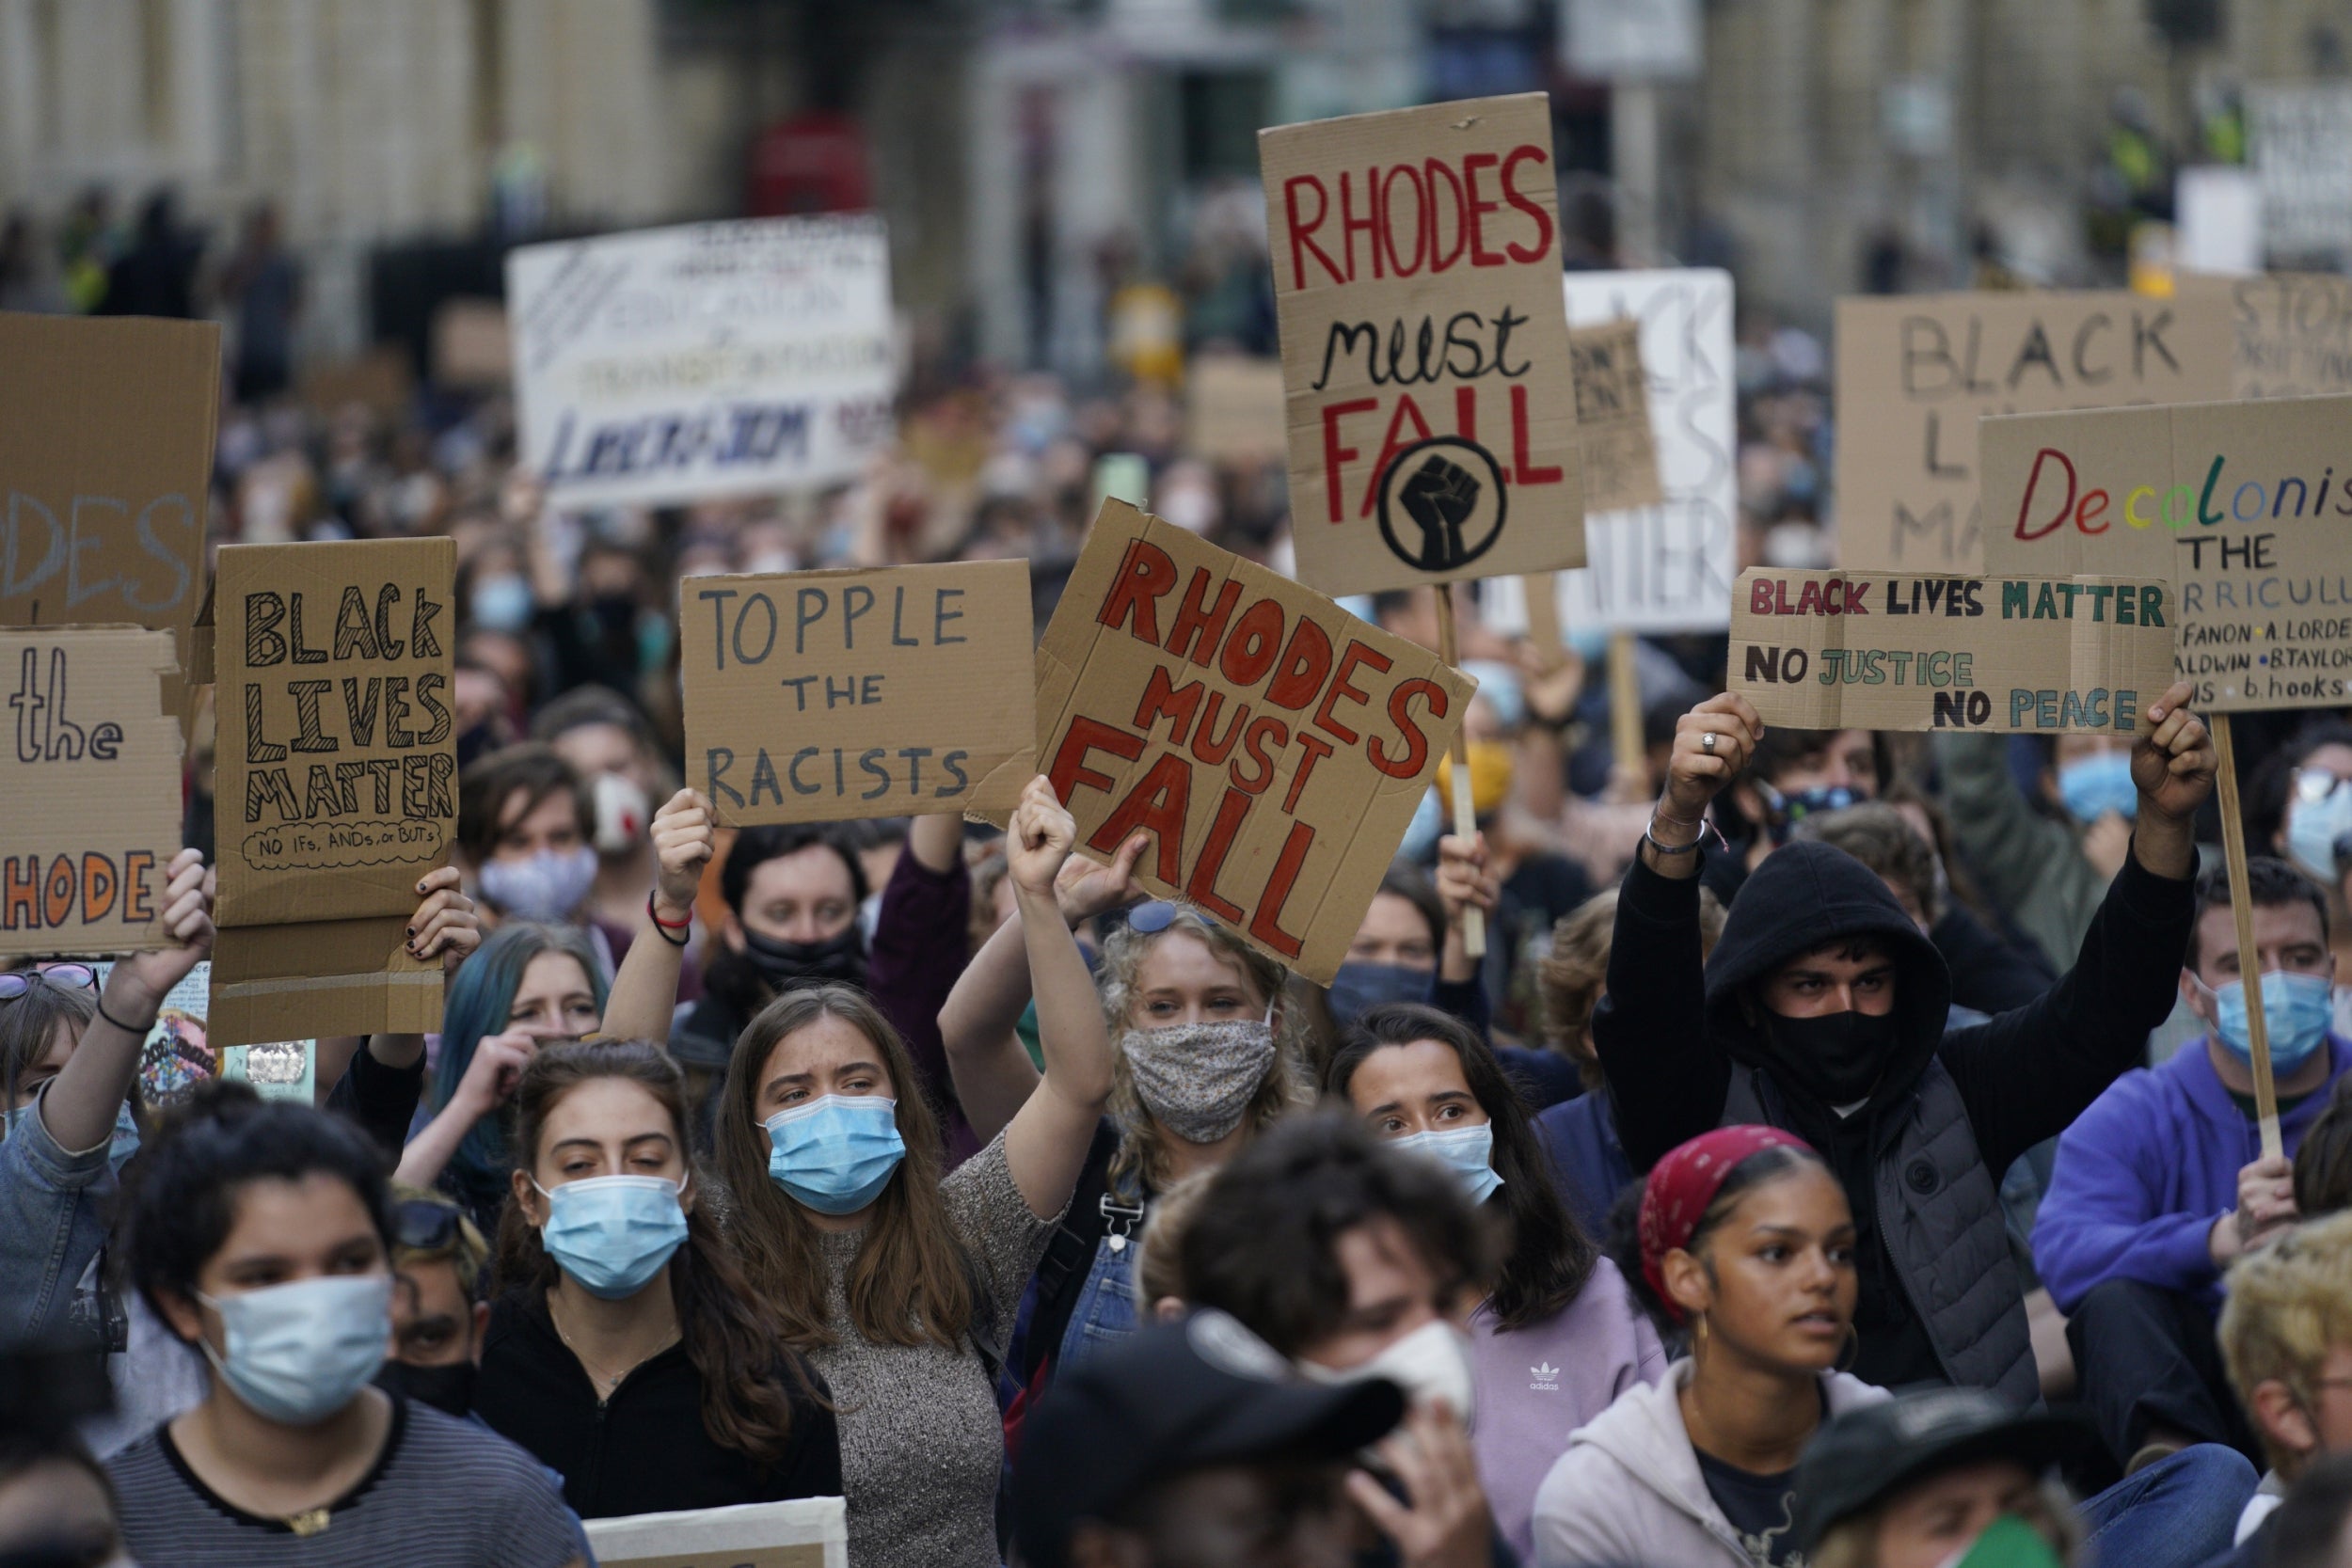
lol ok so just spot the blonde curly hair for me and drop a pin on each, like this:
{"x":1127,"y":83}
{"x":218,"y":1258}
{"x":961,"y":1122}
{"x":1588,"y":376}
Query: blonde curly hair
{"x":1142,"y":1150}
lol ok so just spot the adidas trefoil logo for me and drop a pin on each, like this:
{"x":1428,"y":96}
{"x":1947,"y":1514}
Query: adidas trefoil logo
{"x":1547,"y":1378}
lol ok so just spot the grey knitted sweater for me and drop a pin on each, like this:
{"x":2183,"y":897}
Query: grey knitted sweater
{"x":921,"y":1441}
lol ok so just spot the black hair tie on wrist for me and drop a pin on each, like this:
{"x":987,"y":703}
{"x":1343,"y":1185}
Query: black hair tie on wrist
{"x":110,"y":1018}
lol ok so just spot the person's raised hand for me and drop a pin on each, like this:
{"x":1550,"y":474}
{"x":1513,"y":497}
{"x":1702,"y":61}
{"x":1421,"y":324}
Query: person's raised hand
{"x":1712,"y":744}
{"x":496,"y":1067}
{"x":1039,"y":841}
{"x":2107,"y":843}
{"x":1444,"y":1521}
{"x":684,"y":839}
{"x":2265,"y":1200}
{"x":1085,"y":890}
{"x":139,"y":983}
{"x":2172,"y":760}
{"x":1464,"y":879}
{"x":445,"y":923}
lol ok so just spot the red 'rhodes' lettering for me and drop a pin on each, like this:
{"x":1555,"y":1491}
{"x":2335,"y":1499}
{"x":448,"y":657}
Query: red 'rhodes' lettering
{"x":1296,"y":659}
{"x":1402,"y":217}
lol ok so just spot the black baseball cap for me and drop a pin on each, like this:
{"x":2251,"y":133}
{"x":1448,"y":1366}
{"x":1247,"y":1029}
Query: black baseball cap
{"x":1868,"y":1454}
{"x":1174,"y":1398}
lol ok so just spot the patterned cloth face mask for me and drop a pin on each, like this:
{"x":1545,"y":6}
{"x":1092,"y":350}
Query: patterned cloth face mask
{"x":1197,"y":1079}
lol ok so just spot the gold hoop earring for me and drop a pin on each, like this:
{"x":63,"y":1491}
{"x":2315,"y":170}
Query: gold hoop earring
{"x":1854,"y":1338}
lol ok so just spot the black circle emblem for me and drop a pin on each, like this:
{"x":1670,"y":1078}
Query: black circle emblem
{"x":1442,"y":503}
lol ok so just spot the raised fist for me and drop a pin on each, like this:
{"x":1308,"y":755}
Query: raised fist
{"x":1439,"y":498}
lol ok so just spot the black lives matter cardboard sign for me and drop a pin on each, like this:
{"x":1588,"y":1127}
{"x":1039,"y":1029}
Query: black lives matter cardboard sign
{"x":1916,"y":373}
{"x":1893,"y":651}
{"x":823,"y":696}
{"x":1272,"y":746}
{"x":336,"y":784}
{"x":1432,"y":409}
{"x":90,"y":773}
{"x":106,"y":436}
{"x":2246,"y":508}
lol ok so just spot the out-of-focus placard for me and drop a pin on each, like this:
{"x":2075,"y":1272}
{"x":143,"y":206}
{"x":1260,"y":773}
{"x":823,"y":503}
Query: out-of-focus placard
{"x":1432,"y":412}
{"x":2299,"y":139}
{"x":1916,"y":373}
{"x":1272,"y":745}
{"x":336,"y":784}
{"x":471,"y":344}
{"x":823,"y":696}
{"x":1612,"y":417}
{"x":1873,"y":651}
{"x":107,"y":427}
{"x":1234,"y":408}
{"x":806,"y":1532}
{"x":709,"y":360}
{"x":91,"y":776}
{"x":2245,"y":507}
{"x":2292,"y":331}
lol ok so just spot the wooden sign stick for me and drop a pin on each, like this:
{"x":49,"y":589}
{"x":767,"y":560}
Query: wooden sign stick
{"x":1543,"y":615}
{"x":2248,"y":959}
{"x":1625,"y":701}
{"x":1465,"y":815}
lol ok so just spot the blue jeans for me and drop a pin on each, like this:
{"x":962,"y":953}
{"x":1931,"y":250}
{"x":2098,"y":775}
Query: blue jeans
{"x":1106,"y":1312}
{"x":2174,"y":1514}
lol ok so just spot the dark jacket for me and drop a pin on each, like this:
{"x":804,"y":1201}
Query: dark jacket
{"x":644,"y":1449}
{"x":1588,"y":1164}
{"x":1990,"y":973}
{"x":1670,"y":1047}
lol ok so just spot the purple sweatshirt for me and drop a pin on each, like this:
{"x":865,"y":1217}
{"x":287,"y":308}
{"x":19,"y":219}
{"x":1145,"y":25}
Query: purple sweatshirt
{"x":1535,"y":1387}
{"x":2143,"y":1174}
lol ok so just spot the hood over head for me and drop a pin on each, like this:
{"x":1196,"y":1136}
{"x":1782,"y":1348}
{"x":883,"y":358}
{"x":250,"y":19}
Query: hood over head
{"x":1803,"y":898}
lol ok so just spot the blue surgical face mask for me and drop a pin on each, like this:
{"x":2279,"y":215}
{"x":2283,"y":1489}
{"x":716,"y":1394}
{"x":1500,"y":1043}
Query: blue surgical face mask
{"x":1468,"y":1153}
{"x":2094,"y":786}
{"x":299,"y":1353}
{"x":613,"y":1233}
{"x":836,"y":1153}
{"x":1422,"y":832}
{"x":1499,"y":684}
{"x":502,"y":603}
{"x":2296,"y":1009}
{"x":547,"y":886}
{"x":1359,"y":987}
{"x":2316,"y":824}
{"x":1590,"y":643}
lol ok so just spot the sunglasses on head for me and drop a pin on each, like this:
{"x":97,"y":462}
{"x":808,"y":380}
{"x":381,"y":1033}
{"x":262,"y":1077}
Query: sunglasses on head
{"x":1154,"y":917}
{"x":64,"y":976}
{"x":421,"y":1225}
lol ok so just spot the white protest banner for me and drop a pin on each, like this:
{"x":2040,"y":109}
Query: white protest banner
{"x":711,"y":359}
{"x":1888,"y":651}
{"x":806,"y":1532}
{"x":1667,"y":569}
{"x":1916,"y":373}
{"x":2299,"y":140}
{"x":2245,"y":507}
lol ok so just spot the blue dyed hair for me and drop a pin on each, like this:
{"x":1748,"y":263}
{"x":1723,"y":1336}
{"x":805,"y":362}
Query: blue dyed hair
{"x":480,"y":997}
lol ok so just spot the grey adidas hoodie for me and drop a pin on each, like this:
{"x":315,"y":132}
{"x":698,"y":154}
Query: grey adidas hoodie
{"x":1628,"y":1490}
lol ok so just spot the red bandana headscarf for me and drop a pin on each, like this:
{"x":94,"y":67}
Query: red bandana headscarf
{"x":1681,"y":1185}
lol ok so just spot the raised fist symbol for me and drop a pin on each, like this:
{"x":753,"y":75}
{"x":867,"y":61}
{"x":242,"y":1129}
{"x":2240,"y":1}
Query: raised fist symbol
{"x":1439,"y":498}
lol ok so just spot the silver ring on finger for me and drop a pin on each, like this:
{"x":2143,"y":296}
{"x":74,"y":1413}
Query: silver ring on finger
{"x":1706,"y":743}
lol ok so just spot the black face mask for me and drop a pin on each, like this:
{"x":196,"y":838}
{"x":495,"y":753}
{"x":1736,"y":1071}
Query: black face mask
{"x":448,"y":1389}
{"x":788,"y":965}
{"x":1838,"y":1058}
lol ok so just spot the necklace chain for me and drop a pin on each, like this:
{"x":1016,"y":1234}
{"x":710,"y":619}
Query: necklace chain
{"x":609,"y":1383}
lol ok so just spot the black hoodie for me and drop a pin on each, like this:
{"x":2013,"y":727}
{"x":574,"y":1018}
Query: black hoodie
{"x":1667,"y":1041}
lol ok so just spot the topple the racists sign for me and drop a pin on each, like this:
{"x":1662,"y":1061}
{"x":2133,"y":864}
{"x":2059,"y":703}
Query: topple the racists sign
{"x":1431,"y":409}
{"x":1272,"y":745}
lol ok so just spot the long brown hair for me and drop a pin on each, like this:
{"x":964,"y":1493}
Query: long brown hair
{"x":728,"y":1339}
{"x":911,"y":1281}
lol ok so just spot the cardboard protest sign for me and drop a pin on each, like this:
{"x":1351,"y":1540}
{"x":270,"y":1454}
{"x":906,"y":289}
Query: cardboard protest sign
{"x":106,"y":436}
{"x":2239,"y":505}
{"x":1297,"y":739}
{"x":1876,"y":651}
{"x":1612,"y":417}
{"x":807,"y":1532}
{"x":92,"y":785}
{"x":1915,"y":373}
{"x":176,"y":1056}
{"x":336,"y":784}
{"x":822,"y":696}
{"x":2292,"y":330}
{"x":1432,"y":412}
{"x":471,"y":344}
{"x":710,"y":359}
{"x":1234,"y":408}
{"x":2298,"y":138}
